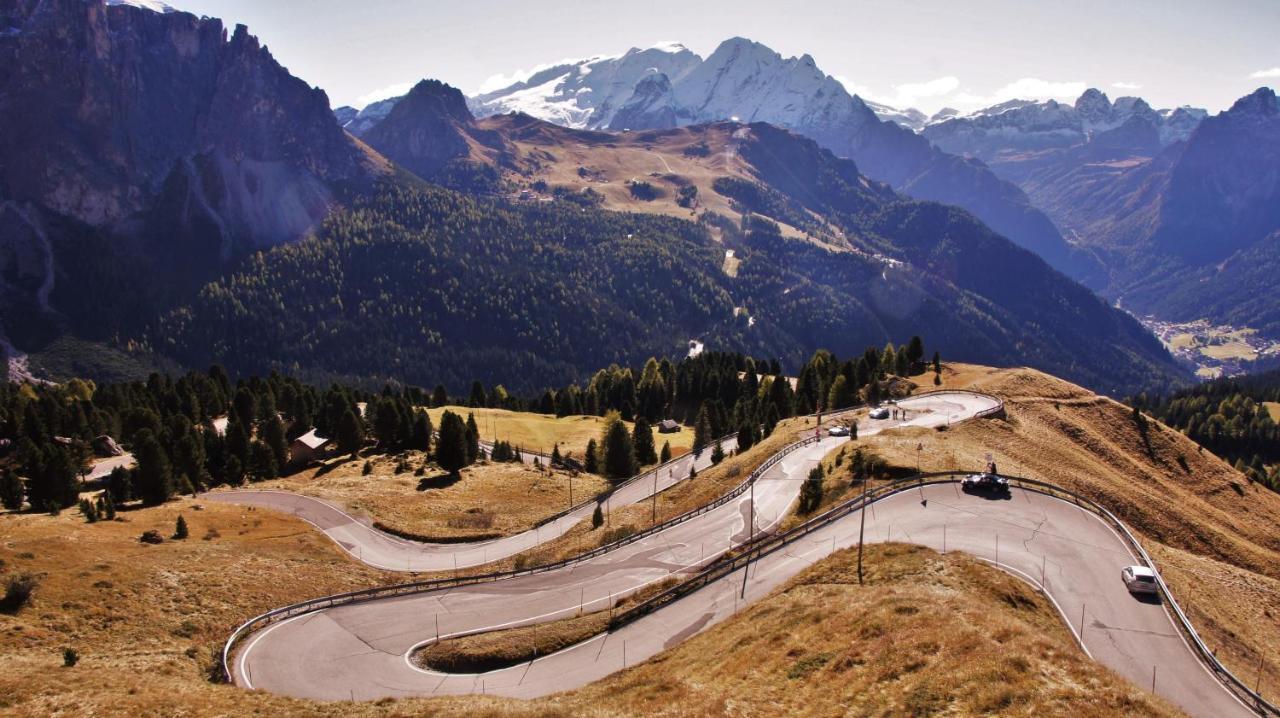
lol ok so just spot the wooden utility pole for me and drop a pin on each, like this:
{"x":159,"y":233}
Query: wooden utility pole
{"x":653,"y":520}
{"x":862,"y":525}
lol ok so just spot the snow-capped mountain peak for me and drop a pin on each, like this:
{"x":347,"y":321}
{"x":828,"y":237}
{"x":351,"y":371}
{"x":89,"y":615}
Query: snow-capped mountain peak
{"x":1017,"y":125}
{"x":586,"y":93}
{"x":152,"y":5}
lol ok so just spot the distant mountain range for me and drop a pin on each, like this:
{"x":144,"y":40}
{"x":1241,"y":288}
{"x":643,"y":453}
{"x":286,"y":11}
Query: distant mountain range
{"x":1026,"y":126}
{"x":1098,"y":188}
{"x":165,"y":184}
{"x":790,"y":248}
{"x":668,"y":86}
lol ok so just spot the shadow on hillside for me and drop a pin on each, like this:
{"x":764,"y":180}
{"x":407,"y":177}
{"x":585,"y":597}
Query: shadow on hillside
{"x":439,"y":481}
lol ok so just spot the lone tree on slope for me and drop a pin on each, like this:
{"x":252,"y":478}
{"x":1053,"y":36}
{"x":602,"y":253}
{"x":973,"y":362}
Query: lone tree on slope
{"x":451,"y":447}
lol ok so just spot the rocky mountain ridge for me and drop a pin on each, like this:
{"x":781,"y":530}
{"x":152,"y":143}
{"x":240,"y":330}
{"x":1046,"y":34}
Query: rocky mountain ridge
{"x":138,"y":139}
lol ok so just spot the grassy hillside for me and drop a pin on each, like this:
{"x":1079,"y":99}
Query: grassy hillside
{"x":927,"y":632}
{"x":432,"y":286}
{"x":540,"y":432}
{"x":1213,"y":532}
{"x":488,"y":501}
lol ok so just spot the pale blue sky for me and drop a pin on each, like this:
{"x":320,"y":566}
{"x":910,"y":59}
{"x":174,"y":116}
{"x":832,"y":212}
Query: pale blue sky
{"x":926,"y":53}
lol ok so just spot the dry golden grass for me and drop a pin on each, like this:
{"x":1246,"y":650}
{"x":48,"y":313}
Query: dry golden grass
{"x":1273,"y":408}
{"x":513,"y":646}
{"x":540,"y":432}
{"x":621,"y":521}
{"x":1186,"y":503}
{"x":608,"y":164}
{"x":148,"y":620}
{"x":926,"y":634}
{"x":491,"y":499}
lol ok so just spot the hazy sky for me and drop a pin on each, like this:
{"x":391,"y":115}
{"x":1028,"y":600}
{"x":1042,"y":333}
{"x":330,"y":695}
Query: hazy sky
{"x":923,"y":53}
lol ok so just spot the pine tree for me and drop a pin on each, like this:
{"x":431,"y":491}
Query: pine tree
{"x":915,"y":354}
{"x":618,"y":449}
{"x":717,"y":453}
{"x":702,"y":431}
{"x":51,"y":476}
{"x":89,"y":512}
{"x":841,"y":395}
{"x":746,"y":435}
{"x":386,"y":423}
{"x":556,"y":459}
{"x":811,"y":491}
{"x":473,"y":439}
{"x":237,"y":441}
{"x":262,"y":462}
{"x":451,"y":447}
{"x":439,"y":397}
{"x":642,"y":438}
{"x":350,"y":433}
{"x":180,"y":529}
{"x":233,"y":471}
{"x":478,"y":399}
{"x":591,"y":460}
{"x":597,"y":517}
{"x":770,"y":421}
{"x":11,"y":490}
{"x":420,"y":438}
{"x":108,"y":507}
{"x":273,"y":435}
{"x":937,"y":363}
{"x":889,"y":359}
{"x":665,"y":456}
{"x":154,"y":473}
{"x":367,"y":468}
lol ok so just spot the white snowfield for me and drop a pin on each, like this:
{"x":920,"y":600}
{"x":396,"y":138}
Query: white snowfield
{"x":362,"y":651}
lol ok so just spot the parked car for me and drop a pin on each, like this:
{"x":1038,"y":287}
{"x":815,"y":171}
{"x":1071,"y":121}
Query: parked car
{"x":1139,"y":579}
{"x":880,"y":413}
{"x":838,"y":431}
{"x":985,"y":483}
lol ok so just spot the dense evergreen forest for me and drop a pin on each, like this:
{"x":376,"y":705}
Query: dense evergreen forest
{"x":201,"y":429}
{"x":428,"y":285}
{"x":1230,"y":418}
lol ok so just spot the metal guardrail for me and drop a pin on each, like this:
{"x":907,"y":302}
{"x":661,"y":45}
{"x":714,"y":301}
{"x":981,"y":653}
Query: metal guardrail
{"x":1247,"y":695}
{"x":770,"y":543}
{"x":403,"y":589}
{"x":603,"y":495}
{"x":379,"y":592}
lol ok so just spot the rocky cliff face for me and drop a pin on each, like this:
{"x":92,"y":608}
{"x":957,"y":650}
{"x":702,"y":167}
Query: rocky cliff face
{"x":1224,"y":193}
{"x":160,"y":134}
{"x":431,"y":133}
{"x":652,"y":105}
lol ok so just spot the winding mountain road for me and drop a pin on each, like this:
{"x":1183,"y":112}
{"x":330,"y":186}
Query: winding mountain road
{"x":362,"y":650}
{"x":358,"y":537}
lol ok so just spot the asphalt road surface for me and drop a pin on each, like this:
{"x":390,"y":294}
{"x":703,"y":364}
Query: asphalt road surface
{"x":379,"y":549}
{"x":361,"y":651}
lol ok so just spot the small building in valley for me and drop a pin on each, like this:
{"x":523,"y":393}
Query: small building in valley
{"x":668,"y":426}
{"x":307,"y":448}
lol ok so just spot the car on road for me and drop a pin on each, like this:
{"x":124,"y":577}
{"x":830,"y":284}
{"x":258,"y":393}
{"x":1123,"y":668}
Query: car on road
{"x":880,"y":413}
{"x":987,"y":483}
{"x":838,"y":431}
{"x":1139,"y":579}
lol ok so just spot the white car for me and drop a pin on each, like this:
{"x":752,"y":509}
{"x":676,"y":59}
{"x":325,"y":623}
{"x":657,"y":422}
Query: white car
{"x":838,"y":431}
{"x":1139,"y":579}
{"x":881,"y":413}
